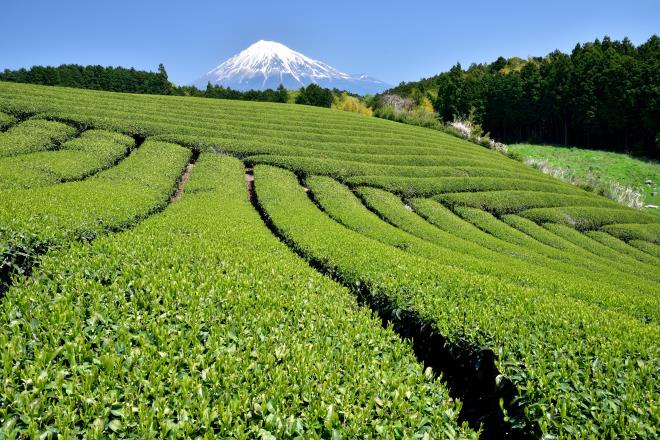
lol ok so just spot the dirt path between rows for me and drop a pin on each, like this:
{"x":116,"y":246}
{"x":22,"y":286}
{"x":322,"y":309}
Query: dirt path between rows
{"x":185,"y":177}
{"x":249,"y":182}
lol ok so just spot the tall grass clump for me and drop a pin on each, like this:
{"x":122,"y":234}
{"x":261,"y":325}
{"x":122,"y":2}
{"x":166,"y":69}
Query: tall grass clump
{"x":624,"y":194}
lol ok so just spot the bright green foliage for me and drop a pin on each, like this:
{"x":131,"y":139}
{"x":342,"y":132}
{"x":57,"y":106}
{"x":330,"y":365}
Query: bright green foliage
{"x":198,"y":323}
{"x":582,"y":278}
{"x":508,"y":261}
{"x":109,"y":200}
{"x":33,"y":135}
{"x":511,"y":202}
{"x":543,"y":242}
{"x":645,"y":246}
{"x":341,"y":169}
{"x":564,"y":354}
{"x":33,"y":220}
{"x":618,"y":260}
{"x":338,"y":202}
{"x":428,"y":186}
{"x":588,"y":218}
{"x":344,"y":207}
{"x":579,"y":248}
{"x":420,"y":157}
{"x":76,"y":159}
{"x":204,"y":322}
{"x":621,"y":247}
{"x":634,"y":231}
{"x":6,"y":120}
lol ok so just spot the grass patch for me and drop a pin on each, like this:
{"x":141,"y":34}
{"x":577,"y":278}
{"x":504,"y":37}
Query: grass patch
{"x":597,"y":170}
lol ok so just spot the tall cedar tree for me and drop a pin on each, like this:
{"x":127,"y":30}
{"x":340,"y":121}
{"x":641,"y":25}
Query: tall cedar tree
{"x":605,"y":94}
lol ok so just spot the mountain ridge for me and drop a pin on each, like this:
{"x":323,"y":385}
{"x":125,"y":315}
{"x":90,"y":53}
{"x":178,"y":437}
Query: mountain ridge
{"x":267,"y":64}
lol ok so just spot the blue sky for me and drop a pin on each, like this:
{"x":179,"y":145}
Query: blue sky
{"x":392,"y":41}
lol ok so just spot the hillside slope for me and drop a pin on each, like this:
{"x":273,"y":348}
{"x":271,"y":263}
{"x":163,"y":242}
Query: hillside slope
{"x":600,"y":169}
{"x":534,"y":300}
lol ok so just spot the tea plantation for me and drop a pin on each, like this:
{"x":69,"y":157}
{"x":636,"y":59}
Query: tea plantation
{"x":178,"y":267}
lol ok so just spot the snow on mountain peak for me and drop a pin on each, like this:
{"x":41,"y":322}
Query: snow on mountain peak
{"x":267,"y":64}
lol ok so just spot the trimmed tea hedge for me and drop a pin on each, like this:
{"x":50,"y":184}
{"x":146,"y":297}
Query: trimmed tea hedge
{"x":33,"y":135}
{"x":76,"y":159}
{"x":531,"y":333}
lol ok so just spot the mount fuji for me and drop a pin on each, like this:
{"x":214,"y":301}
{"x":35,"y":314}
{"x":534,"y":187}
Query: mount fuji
{"x":267,"y":64}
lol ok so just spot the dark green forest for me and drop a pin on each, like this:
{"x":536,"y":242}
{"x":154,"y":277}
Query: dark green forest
{"x":604,"y":94}
{"x":120,"y":79}
{"x":219,"y":92}
{"x":113,"y":79}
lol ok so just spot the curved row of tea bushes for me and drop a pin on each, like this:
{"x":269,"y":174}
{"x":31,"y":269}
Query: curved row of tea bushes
{"x":238,"y":124}
{"x":645,"y":246}
{"x":159,"y":115}
{"x":199,"y":323}
{"x":538,"y":242}
{"x":430,"y":186}
{"x":511,"y":202}
{"x":622,"y":247}
{"x":341,"y":169}
{"x":344,"y":207}
{"x":620,"y":261}
{"x":578,"y":246}
{"x":586,"y":350}
{"x":341,"y":205}
{"x":634,"y":231}
{"x":266,"y":146}
{"x":76,"y":159}
{"x":33,"y":220}
{"x":503,"y":239}
{"x":588,"y":218}
{"x":33,"y":135}
{"x":571,"y":361}
{"x":507,"y":260}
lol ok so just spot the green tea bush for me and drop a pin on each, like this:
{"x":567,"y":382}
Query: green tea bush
{"x":621,"y":246}
{"x":76,"y":159}
{"x":36,"y":219}
{"x":531,"y":333}
{"x":429,"y":186}
{"x":343,"y":169}
{"x":541,"y":241}
{"x":187,"y":318}
{"x":33,"y":135}
{"x":619,"y":260}
{"x":511,"y":202}
{"x":634,"y":231}
{"x":199,"y":323}
{"x":588,"y":218}
{"x":645,"y":246}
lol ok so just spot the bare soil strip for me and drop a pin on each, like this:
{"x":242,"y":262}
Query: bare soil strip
{"x":249,"y":181}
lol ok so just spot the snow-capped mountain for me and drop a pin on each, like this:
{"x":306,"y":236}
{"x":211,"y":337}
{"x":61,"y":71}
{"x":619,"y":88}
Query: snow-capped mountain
{"x":267,"y":64}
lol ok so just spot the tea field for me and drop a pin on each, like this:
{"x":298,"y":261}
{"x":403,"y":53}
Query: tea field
{"x":177,"y":267}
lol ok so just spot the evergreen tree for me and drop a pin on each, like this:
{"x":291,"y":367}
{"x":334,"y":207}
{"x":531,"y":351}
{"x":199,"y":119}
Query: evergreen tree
{"x":282,"y":94}
{"x":605,"y":94}
{"x":315,"y":95}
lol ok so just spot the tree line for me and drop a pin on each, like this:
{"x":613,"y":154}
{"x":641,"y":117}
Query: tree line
{"x":604,"y":94}
{"x":120,"y":79}
{"x":113,"y":79}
